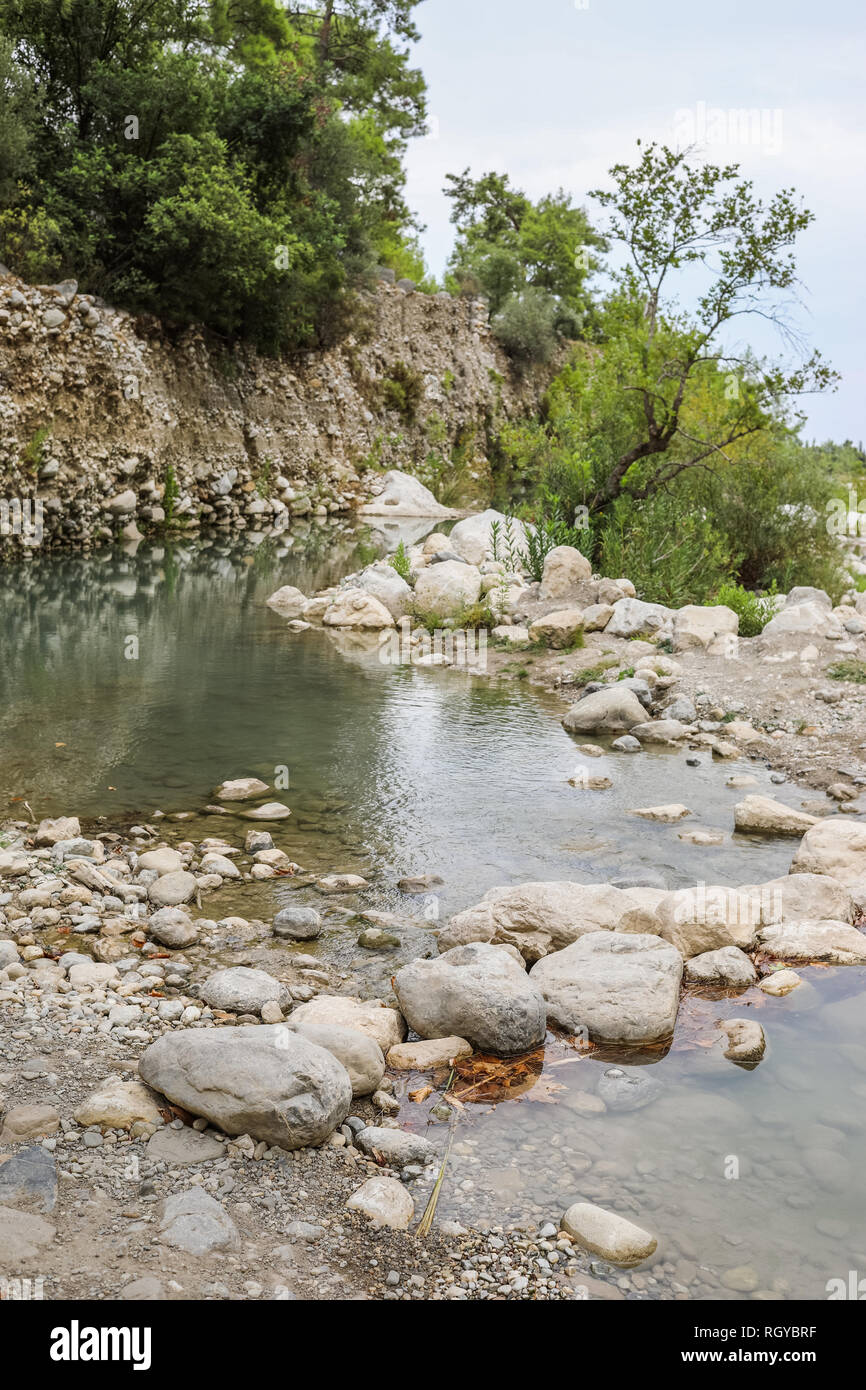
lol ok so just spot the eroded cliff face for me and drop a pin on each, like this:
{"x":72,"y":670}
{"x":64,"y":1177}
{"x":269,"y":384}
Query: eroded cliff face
{"x":109,"y":421}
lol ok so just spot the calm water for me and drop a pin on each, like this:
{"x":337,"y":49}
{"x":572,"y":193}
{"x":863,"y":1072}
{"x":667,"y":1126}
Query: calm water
{"x":397,"y":771}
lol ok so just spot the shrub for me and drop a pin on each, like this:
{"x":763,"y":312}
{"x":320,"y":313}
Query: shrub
{"x":402,"y":391}
{"x":399,"y":561}
{"x":854,"y":671}
{"x":526,"y":326}
{"x":753,"y":610}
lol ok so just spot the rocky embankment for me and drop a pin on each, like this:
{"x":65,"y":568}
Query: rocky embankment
{"x":114,"y":425}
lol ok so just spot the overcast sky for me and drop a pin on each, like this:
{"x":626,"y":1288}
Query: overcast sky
{"x":556,"y":91}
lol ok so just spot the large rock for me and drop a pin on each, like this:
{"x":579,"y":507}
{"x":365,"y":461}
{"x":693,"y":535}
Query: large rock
{"x":370,"y":1016}
{"x":727,"y":966}
{"x":445,"y":590}
{"x":707,"y":918}
{"x":298,"y":923}
{"x":403,"y":495}
{"x":243,"y":991}
{"x":172,"y":889}
{"x":615,"y":707}
{"x":618,"y":987}
{"x":472,"y":538}
{"x":695,"y":628}
{"x":746,"y":1041}
{"x":807,"y":619}
{"x":118,"y":1104}
{"x":835,"y":846}
{"x":261,"y":1080}
{"x":386,"y":585}
{"x":634,"y":618}
{"x":837,"y":943}
{"x":565,"y":570}
{"x":288,"y":601}
{"x":360,"y":1054}
{"x":762,"y":815}
{"x":477,"y":992}
{"x":559,"y":629}
{"x":801,"y":897}
{"x":161,"y":861}
{"x":608,"y":1234}
{"x":396,"y":1146}
{"x":172,"y":927}
{"x":355,"y":608}
{"x":430,"y":1053}
{"x":385,"y":1202}
{"x":539,"y":917}
{"x":50,"y":832}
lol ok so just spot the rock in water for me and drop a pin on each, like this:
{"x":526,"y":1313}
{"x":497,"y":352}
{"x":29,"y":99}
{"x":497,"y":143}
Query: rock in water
{"x":608,"y":1235}
{"x":620,"y":988}
{"x":477,"y":992}
{"x":262,"y":1080}
{"x":298,"y":923}
{"x":746,"y":1041}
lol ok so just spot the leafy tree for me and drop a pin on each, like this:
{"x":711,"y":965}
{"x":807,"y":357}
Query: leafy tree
{"x":673,"y":214}
{"x":531,"y":260}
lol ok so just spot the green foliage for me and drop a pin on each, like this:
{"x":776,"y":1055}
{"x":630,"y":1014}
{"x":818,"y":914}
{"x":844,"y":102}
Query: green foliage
{"x":526,"y":326}
{"x":853,"y":671}
{"x":548,"y":528}
{"x":263,"y":477}
{"x":237,"y":165}
{"x":402,"y":391}
{"x":753,"y":610}
{"x":34,"y":449}
{"x":671,"y":553}
{"x":399,"y":561}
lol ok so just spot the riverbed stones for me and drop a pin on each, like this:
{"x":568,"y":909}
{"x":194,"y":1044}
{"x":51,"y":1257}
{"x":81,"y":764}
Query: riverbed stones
{"x":801,"y":897}
{"x":360,"y":1054}
{"x":385,"y":584}
{"x":180,"y":1148}
{"x":397,"y":1147}
{"x":834,"y":846}
{"x":634,"y":618}
{"x":477,"y":992}
{"x":835,"y":943}
{"x":355,"y":608}
{"x":707,"y":917}
{"x":779,"y":983}
{"x":243,"y":990}
{"x":695,"y":628}
{"x":618,"y":987}
{"x":213,"y":863}
{"x":764,"y":816}
{"x":746,"y":1041}
{"x":340,"y":883}
{"x":172,"y":889}
{"x":262,"y":1080}
{"x":241,"y":789}
{"x":427,"y":1054}
{"x":472,"y":538}
{"x":446,"y":589}
{"x":49,"y":832}
{"x":195,"y":1222}
{"x":726,"y":967}
{"x":385,"y":1202}
{"x":810,"y":619}
{"x":161,"y":861}
{"x":372,"y":1017}
{"x":607,"y":1234}
{"x":28,"y":1178}
{"x":117,"y":1104}
{"x":298,"y":923}
{"x":288,"y":601}
{"x":565,"y":570}
{"x":22,"y":1122}
{"x":544,"y":916}
{"x":613,"y":708}
{"x":172,"y":927}
{"x":559,"y":629}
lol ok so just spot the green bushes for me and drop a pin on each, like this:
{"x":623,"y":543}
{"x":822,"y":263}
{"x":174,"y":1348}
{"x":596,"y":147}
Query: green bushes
{"x":399,"y":561}
{"x":526,"y":326}
{"x":753,"y":610}
{"x":402,"y":391}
